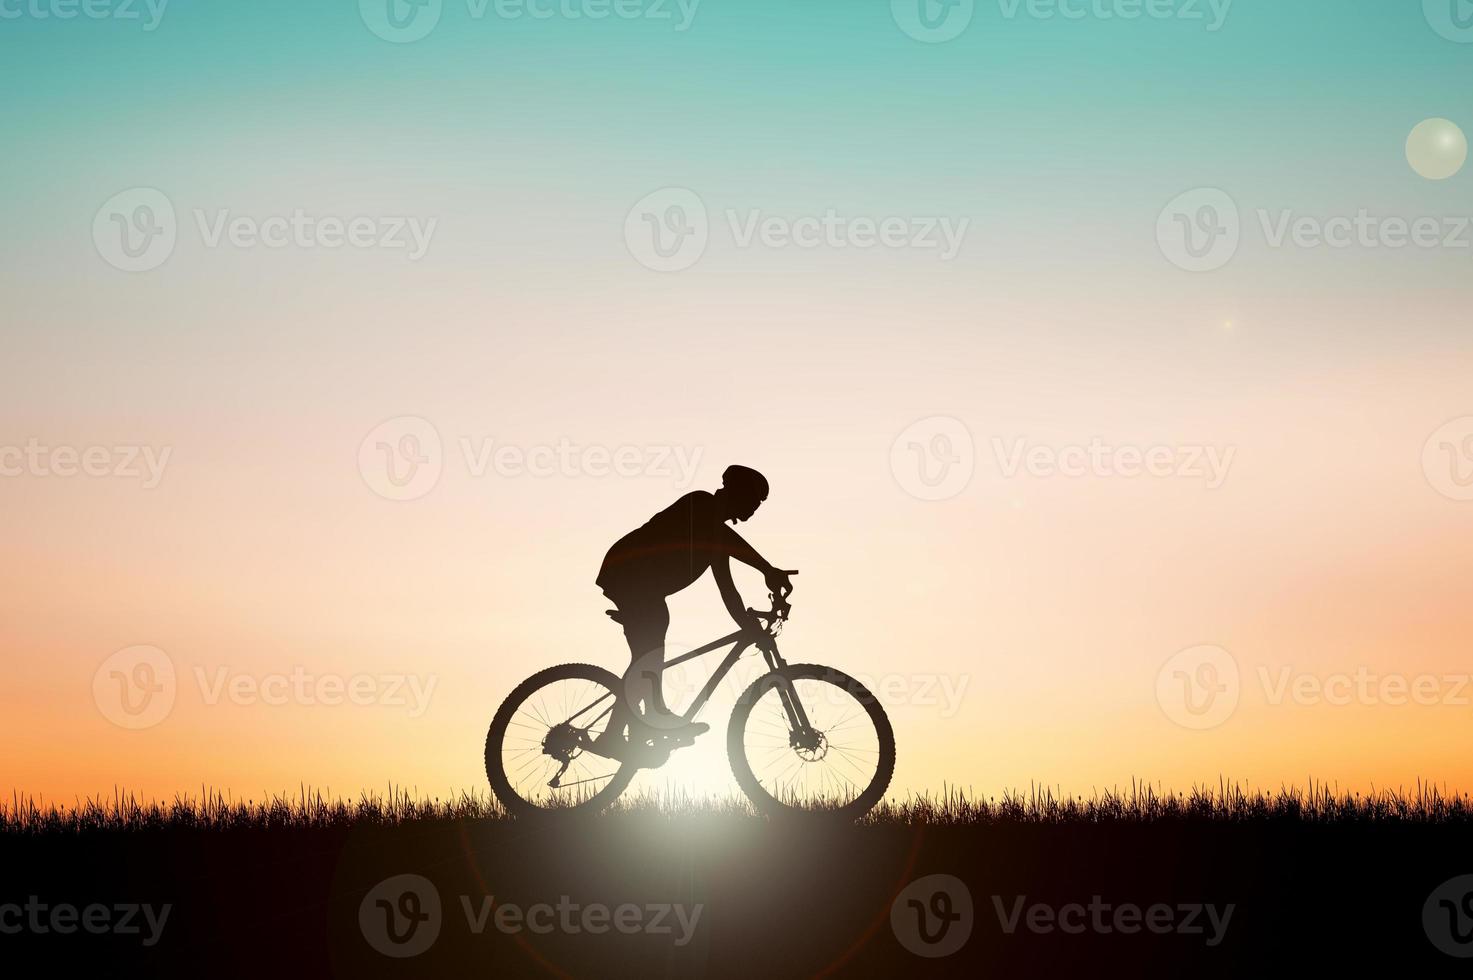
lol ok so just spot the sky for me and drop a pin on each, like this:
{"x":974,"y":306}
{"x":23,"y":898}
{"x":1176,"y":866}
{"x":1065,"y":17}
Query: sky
{"x":1117,"y":424}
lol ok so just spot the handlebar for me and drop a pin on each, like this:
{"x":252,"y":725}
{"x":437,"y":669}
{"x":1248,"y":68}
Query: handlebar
{"x":780,"y":611}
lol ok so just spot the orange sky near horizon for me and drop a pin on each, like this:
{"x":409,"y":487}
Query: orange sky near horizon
{"x":1015,"y":631}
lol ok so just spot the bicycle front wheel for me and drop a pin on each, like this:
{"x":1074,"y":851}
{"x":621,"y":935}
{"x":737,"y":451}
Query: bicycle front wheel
{"x":810,"y":739}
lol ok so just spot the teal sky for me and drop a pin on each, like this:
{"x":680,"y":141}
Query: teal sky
{"x":1061,"y":140}
{"x":780,"y":93}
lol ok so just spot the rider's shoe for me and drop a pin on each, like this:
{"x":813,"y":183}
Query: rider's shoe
{"x":655,"y":747}
{"x":672,"y":729}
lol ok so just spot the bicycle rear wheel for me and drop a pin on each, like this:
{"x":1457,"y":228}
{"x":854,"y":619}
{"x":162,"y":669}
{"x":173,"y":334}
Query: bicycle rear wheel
{"x":839,"y":766}
{"x":542,"y":730}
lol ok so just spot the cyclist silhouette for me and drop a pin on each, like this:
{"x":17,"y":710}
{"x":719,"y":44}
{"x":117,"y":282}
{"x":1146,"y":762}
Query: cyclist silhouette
{"x":668,"y":553}
{"x":801,"y":737}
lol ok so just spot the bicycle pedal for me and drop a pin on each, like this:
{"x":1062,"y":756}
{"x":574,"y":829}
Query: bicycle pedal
{"x":650,"y":756}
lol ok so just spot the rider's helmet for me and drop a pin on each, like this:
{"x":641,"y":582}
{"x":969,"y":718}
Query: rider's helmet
{"x":744,"y":481}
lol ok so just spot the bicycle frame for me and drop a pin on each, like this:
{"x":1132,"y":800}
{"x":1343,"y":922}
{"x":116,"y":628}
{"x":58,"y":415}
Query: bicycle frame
{"x":739,"y":642}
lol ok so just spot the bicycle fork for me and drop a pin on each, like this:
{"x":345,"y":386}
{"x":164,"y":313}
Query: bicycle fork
{"x":801,"y":731}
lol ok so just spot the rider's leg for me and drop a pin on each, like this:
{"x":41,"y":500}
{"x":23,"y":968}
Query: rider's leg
{"x":645,"y":625}
{"x":645,"y":622}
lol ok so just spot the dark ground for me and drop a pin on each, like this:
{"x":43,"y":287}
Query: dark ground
{"x":775,"y":900}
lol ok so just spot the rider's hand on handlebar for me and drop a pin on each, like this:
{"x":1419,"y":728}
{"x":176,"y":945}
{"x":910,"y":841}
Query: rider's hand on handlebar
{"x":779,"y":583}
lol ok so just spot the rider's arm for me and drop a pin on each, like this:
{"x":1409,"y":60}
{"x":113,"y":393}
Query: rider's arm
{"x":730,"y":597}
{"x":736,"y":546}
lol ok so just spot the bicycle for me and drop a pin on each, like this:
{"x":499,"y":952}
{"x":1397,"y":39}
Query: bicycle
{"x":802,"y":739}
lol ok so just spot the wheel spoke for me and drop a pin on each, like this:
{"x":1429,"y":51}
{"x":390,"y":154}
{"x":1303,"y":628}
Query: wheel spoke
{"x":834,"y":763}
{"x":551,"y":724}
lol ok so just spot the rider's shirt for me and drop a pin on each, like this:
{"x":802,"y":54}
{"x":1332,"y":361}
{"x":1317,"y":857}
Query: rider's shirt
{"x":668,"y":552}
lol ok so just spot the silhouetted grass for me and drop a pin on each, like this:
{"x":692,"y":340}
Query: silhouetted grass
{"x":952,"y":807}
